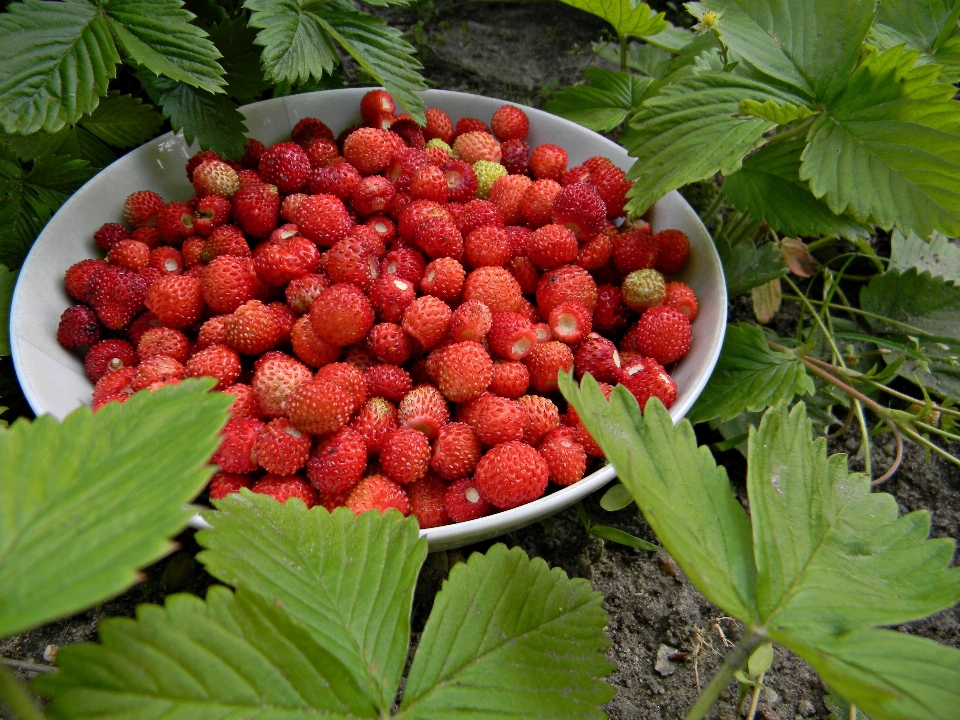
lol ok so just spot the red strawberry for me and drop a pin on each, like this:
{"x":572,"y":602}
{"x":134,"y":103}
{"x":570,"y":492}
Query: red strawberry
{"x":510,"y":123}
{"x":176,"y":300}
{"x":380,"y":493}
{"x":456,"y":451}
{"x":77,"y":278}
{"x":515,"y":157}
{"x":369,"y":150}
{"x":109,"y":235}
{"x":319,"y":406}
{"x":323,"y":219}
{"x":78,"y":328}
{"x":285,"y":165}
{"x":495,"y":287}
{"x":511,"y":335}
{"x":429,"y":183}
{"x":107,"y":356}
{"x":224,"y":484}
{"x":375,"y":104}
{"x":387,"y":381}
{"x":427,"y":320}
{"x":216,"y":361}
{"x":463,"y":502}
{"x":511,"y":474}
{"x":663,"y":333}
{"x":174,"y":223}
{"x":570,"y":322}
{"x":598,"y":356}
{"x":438,"y":125}
{"x":338,"y":180}
{"x":567,"y":282}
{"x":509,"y":379}
{"x":545,"y":362}
{"x":256,"y":209}
{"x":374,"y":422}
{"x":321,"y":153}
{"x":579,"y":207}
{"x":302,"y":291}
{"x":405,"y":455}
{"x":244,"y":403}
{"x":682,"y":297}
{"x":611,"y":316}
{"x":612,"y":185}
{"x":488,"y":245}
{"x":342,"y":315}
{"x":537,"y":202}
{"x":424,"y":409}
{"x":673,"y":249}
{"x":390,"y":344}
{"x":552,"y":245}
{"x":277,"y":263}
{"x":426,"y":501}
{"x":280,"y":448}
{"x":405,"y":262}
{"x":156,"y":371}
{"x":349,"y":377}
{"x":471,"y":321}
{"x":565,"y":457}
{"x":141,"y":208}
{"x":464,"y":371}
{"x":596,"y":252}
{"x":235,"y":454}
{"x":373,"y":194}
{"x":252,"y":329}
{"x":477,"y":145}
{"x":274,"y":377}
{"x":499,"y":419}
{"x":470,"y":124}
{"x":252,"y":153}
{"x":461,"y":180}
{"x":310,"y":347}
{"x":439,"y":238}
{"x":167,"y":260}
{"x":165,"y":341}
{"x":507,"y":194}
{"x":338,"y":463}
{"x":651,"y":382}
{"x":354,"y":260}
{"x":541,"y":417}
{"x":477,"y":213}
{"x":309,"y":129}
{"x":548,"y":161}
{"x":212,"y":212}
{"x":634,"y":250}
{"x":443,"y":278}
{"x":225,"y":240}
{"x":282,"y":488}
{"x":228,"y":282}
{"x":116,"y":294}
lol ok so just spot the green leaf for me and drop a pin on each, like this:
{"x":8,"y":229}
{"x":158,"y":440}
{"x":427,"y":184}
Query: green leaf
{"x":749,"y":376}
{"x":746,"y":266}
{"x":831,"y":555}
{"x":778,"y":112}
{"x":685,"y":498}
{"x":616,"y":498}
{"x":295,"y":42}
{"x":926,"y":25}
{"x":768,"y":186}
{"x":641,"y":57}
{"x":760,"y":661}
{"x":840,"y":708}
{"x":233,"y":655}
{"x":122,"y":121}
{"x":939,"y":256}
{"x":887,"y":148}
{"x":111,"y":479}
{"x":692,"y":130}
{"x":622,"y":538}
{"x":55,"y":62}
{"x":671,"y":38}
{"x":504,"y":610}
{"x":627,"y":18}
{"x":348,"y":581}
{"x":8,"y":280}
{"x":812,"y":46}
{"x":214,"y":121}
{"x":919,"y":300}
{"x":165,"y":42}
{"x":605,"y":103}
{"x":241,"y":59}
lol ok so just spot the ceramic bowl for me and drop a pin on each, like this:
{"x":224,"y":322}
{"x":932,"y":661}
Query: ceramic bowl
{"x":53,"y":379}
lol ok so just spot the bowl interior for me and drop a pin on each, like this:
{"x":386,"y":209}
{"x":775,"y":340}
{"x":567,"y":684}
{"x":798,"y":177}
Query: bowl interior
{"x":53,"y":379}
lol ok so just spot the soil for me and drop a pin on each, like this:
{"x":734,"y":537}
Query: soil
{"x":521,"y":52}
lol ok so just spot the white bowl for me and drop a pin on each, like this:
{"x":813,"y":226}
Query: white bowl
{"x":53,"y":379}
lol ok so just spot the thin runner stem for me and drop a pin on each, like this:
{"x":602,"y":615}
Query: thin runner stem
{"x":736,"y":660}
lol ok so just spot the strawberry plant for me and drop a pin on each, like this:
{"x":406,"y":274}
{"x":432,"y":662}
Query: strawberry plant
{"x":819,"y":563}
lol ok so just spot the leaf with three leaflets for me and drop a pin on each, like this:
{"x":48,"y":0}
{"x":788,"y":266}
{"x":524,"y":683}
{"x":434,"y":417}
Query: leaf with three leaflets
{"x":295,"y":43}
{"x":746,"y":266}
{"x":55,"y":62}
{"x":749,"y":376}
{"x":349,"y":581}
{"x":895,"y":124}
{"x":500,"y":610}
{"x":926,"y":25}
{"x":628,"y":19}
{"x":8,"y":280}
{"x":166,"y":42}
{"x":768,"y":186}
{"x":939,"y":256}
{"x":605,"y":103}
{"x":701,"y":522}
{"x":122,"y":121}
{"x":111,"y":478}
{"x":241,"y":59}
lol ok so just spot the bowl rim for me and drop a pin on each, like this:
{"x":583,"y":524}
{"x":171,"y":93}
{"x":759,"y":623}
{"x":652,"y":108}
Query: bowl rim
{"x":456,"y":534}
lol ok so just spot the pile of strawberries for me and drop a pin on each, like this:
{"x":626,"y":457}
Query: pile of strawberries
{"x":390,"y":309}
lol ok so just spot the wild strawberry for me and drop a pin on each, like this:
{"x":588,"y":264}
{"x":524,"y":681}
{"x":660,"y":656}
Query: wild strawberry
{"x":509,"y":379}
{"x":537,"y":203}
{"x":281,"y":488}
{"x":461,"y":180}
{"x":456,"y":451}
{"x":663,"y":333}
{"x":244,"y":402}
{"x":78,"y":328}
{"x":515,"y":157}
{"x":682,"y":297}
{"x":443,"y":278}
{"x":511,"y":474}
{"x":252,"y":329}
{"x":611,"y":316}
{"x":429,"y":183}
{"x":256,"y":209}
{"x":427,"y":320}
{"x":376,"y":103}
{"x":280,"y":448}
{"x":235,"y":454}
{"x":634,"y":250}
{"x":576,"y":174}
{"x":511,"y":335}
{"x":477,"y":213}
{"x":302,"y":291}
{"x":373,"y":194}
{"x":507,"y":194}
{"x":437,"y":152}
{"x":321,"y":153}
{"x":673,"y":249}
{"x":563,"y":283}
{"x":216,"y":361}
{"x":470,"y":321}
{"x":487,"y":173}
{"x":510,"y":123}
{"x":277,"y":263}
{"x":319,"y":406}
{"x":438,"y":125}
{"x":470,"y":124}
{"x":405,"y":455}
{"x":225,"y":240}
{"x":109,"y":235}
{"x":488,"y":245}
{"x":541,"y":416}
{"x":310,"y":347}
{"x":323,"y":219}
{"x":545,"y":362}
{"x":402,"y":166}
{"x":596,"y":252}
{"x":167,"y":260}
{"x":285,"y":165}
{"x":643,"y":289}
{"x":579,"y":208}
{"x":349,"y":377}
{"x":201,"y":157}
{"x":309,"y":129}
{"x":582,"y":435}
{"x":426,"y":501}
{"x":612,"y":185}
{"x":473,"y":146}
{"x":141,"y":208}
{"x":387,"y":381}
{"x":176,"y":300}
{"x":424,"y":409}
{"x":174,"y":223}
{"x":498,"y":420}
{"x":495,"y":287}
{"x":215,"y":177}
{"x":342,"y":315}
{"x":156,"y":371}
{"x":565,"y":457}
{"x":224,"y":484}
{"x":390,"y":344}
{"x":405,"y":262}
{"x":570,"y":322}
{"x":379,"y":493}
{"x":165,"y":341}
{"x":369,"y":150}
{"x":374,"y":422}
{"x":252,"y":153}
{"x":338,"y":462}
{"x":598,"y":356}
{"x":464,"y":371}
{"x":228,"y":282}
{"x":544,"y":333}
{"x":391,"y":296}
{"x":338,"y":180}
{"x":651,"y":382}
{"x":274,"y":378}
{"x":439,"y":238}
{"x":77,"y":277}
{"x":552,"y":245}
{"x":107,"y":356}
{"x":407,"y":128}
{"x":463,"y":502}
{"x":138,"y":327}
{"x":548,"y":161}
{"x":212,"y":212}
{"x":116,"y":295}
{"x":353,"y":260}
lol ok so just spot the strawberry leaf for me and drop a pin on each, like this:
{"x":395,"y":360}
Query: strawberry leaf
{"x":627,"y":18}
{"x":295,"y":43}
{"x":939,"y":256}
{"x":122,"y":121}
{"x":233,"y":654}
{"x":503,"y":609}
{"x":605,"y":103}
{"x":241,"y":59}
{"x":749,"y":376}
{"x":111,"y":478}
{"x":55,"y":62}
{"x":8,"y":280}
{"x":929,"y":26}
{"x":348,"y":581}
{"x":746,"y":266}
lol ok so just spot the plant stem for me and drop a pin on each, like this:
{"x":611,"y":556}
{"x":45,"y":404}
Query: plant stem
{"x":918,"y":438}
{"x":754,"y":701}
{"x":826,"y":333}
{"x":713,"y":205}
{"x":793,"y":132}
{"x":902,"y":396}
{"x":15,"y":697}
{"x":623,"y":52}
{"x":28,"y":666}
{"x":736,"y":660}
{"x":853,"y":712}
{"x":858,"y":311}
